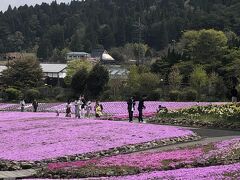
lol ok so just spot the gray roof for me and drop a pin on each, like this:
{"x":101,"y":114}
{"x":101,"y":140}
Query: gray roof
{"x":47,"y":68}
{"x":77,"y":53}
{"x":115,"y":71}
{"x":54,"y":68}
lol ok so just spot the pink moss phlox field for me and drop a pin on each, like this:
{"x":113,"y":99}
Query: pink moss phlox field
{"x":151,"y":160}
{"x":119,"y":109}
{"x":205,"y":173}
{"x":154,"y":159}
{"x":223,"y":148}
{"x":37,"y":136}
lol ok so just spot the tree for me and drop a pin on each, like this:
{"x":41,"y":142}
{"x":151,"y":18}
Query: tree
{"x":215,"y":83}
{"x":77,"y":40}
{"x":15,"y":41}
{"x":204,"y":46}
{"x":79,"y":81}
{"x":199,"y":80}
{"x":45,"y":49}
{"x":74,"y":66}
{"x":24,"y":73}
{"x":97,"y":80}
{"x":133,"y":79}
{"x":106,"y":36}
{"x":175,"y":78}
{"x":148,"y":82}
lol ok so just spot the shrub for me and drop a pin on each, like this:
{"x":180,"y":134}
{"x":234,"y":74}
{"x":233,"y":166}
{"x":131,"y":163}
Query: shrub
{"x":174,"y":95}
{"x":156,"y":94}
{"x":31,"y":94}
{"x":189,"y":94}
{"x":66,"y":95}
{"x":12,"y":94}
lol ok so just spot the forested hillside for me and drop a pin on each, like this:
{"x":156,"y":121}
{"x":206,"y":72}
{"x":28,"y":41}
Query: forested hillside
{"x":84,"y":25}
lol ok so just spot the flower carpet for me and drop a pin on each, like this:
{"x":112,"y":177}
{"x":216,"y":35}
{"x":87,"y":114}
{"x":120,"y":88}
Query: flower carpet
{"x":153,"y":164}
{"x":38,"y":136}
{"x":113,"y":110}
{"x":155,"y":159}
{"x":221,"y":172}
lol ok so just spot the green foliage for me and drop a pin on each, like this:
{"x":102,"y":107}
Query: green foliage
{"x":199,"y":80}
{"x":117,"y":54}
{"x":79,"y":81}
{"x":148,"y":82}
{"x":23,"y":73}
{"x":111,"y":23}
{"x":97,"y":80}
{"x":189,"y":94}
{"x":174,"y":95}
{"x":175,"y":78}
{"x":204,"y":46}
{"x":74,"y":66}
{"x":31,"y":94}
{"x":12,"y":94}
{"x":215,"y":83}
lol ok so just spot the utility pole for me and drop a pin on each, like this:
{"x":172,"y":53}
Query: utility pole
{"x":139,"y":39}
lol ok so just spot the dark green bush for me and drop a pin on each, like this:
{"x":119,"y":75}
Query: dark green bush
{"x":189,"y":94}
{"x":31,"y":94}
{"x":12,"y":94}
{"x":174,"y":95}
{"x":155,"y":95}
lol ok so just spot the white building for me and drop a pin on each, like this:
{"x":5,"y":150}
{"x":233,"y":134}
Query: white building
{"x":77,"y":55}
{"x":54,"y":70}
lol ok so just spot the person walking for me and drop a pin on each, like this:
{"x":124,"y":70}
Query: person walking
{"x":22,"y":104}
{"x":88,"y":109}
{"x":141,"y":106}
{"x":35,"y":105}
{"x":77,"y":108}
{"x":131,"y":108}
{"x":83,"y":104}
{"x":68,"y":109}
{"x":234,"y":94}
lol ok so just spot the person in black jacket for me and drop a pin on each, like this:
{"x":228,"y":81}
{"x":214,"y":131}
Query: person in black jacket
{"x":131,"y":108}
{"x":234,"y":94}
{"x":141,"y":106}
{"x":35,"y":105}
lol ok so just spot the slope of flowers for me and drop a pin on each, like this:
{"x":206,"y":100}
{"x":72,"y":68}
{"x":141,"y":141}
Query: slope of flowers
{"x":37,"y":136}
{"x":139,"y":160}
{"x":162,"y":159}
{"x":206,"y":173}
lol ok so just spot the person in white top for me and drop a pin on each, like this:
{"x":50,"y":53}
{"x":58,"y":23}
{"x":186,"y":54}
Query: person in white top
{"x":22,"y":104}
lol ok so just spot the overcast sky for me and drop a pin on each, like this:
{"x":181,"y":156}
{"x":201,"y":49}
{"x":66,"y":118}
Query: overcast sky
{"x":5,"y":3}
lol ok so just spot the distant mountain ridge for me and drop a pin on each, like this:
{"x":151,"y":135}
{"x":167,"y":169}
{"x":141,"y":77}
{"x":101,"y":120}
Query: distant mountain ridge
{"x":84,"y":25}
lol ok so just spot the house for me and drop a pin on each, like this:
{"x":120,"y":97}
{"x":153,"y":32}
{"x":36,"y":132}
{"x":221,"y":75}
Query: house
{"x":117,"y":72}
{"x":54,"y":74}
{"x":77,"y":55}
{"x":102,"y":56}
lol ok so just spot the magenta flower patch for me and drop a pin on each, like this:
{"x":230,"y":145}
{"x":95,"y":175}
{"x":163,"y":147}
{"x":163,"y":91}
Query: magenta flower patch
{"x":38,"y":136}
{"x":205,"y":173}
